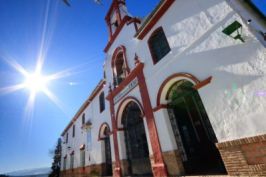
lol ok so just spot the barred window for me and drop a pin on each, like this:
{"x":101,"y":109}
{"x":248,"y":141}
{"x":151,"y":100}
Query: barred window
{"x":158,"y":45}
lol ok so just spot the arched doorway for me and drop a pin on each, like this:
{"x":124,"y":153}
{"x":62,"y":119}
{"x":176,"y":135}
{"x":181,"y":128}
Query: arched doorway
{"x":104,"y":136}
{"x":108,"y":156}
{"x":193,"y":132}
{"x":135,"y":141}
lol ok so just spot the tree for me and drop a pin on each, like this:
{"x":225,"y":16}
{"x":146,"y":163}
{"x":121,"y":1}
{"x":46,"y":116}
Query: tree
{"x":57,"y":160}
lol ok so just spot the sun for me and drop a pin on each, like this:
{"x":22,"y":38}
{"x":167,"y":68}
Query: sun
{"x":35,"y":82}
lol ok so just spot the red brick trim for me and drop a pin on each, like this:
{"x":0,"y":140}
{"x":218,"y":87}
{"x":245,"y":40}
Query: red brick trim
{"x":203,"y":83}
{"x":159,"y":107}
{"x":118,"y":50}
{"x":242,"y":141}
{"x":115,"y":34}
{"x":103,"y":125}
{"x":246,"y":156}
{"x":186,"y":75}
{"x":144,"y":30}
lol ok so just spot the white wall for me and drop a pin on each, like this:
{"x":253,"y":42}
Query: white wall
{"x":194,"y":31}
{"x":198,"y":46}
{"x":95,"y":154}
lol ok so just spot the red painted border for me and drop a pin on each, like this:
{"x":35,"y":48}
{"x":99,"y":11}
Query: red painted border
{"x":136,"y":21}
{"x":118,"y":50}
{"x":99,"y":133}
{"x":115,"y":34}
{"x":114,"y":4}
{"x":158,"y":167}
{"x":161,"y":106}
{"x":154,"y":19}
{"x":203,"y":83}
{"x":122,"y":103}
{"x":186,"y":75}
{"x":132,"y":75}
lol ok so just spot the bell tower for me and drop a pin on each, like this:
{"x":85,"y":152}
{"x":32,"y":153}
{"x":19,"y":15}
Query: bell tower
{"x":115,"y":16}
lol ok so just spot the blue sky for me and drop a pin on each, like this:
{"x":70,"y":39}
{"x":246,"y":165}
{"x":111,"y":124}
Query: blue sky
{"x":73,"y":38}
{"x":261,"y":5}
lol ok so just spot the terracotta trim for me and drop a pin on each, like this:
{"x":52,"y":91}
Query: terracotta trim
{"x":136,"y":21}
{"x":115,"y":34}
{"x":238,"y":142}
{"x":118,"y":15}
{"x":117,"y":168}
{"x":132,"y":75}
{"x":159,"y":107}
{"x":203,"y":83}
{"x":159,"y":168}
{"x":100,"y":129}
{"x":80,"y":169}
{"x":94,"y":93}
{"x":186,"y":75}
{"x":153,"y":19}
{"x":131,"y":98}
{"x":113,"y":5}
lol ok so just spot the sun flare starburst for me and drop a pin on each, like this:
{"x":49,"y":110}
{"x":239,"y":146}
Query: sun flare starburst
{"x":36,"y":82}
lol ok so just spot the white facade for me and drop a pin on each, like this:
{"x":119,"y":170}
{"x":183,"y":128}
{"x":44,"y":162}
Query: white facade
{"x":234,"y":99}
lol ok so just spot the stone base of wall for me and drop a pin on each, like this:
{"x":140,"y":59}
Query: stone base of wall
{"x":245,"y":156}
{"x":173,"y":163}
{"x":88,"y":171}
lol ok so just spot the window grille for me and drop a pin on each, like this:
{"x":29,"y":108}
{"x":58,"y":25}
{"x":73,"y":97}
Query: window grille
{"x":158,"y":45}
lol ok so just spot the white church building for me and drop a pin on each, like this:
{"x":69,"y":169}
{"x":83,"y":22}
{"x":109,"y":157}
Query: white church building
{"x":183,"y":93}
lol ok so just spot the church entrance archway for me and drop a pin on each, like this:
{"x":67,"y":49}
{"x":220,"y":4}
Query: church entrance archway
{"x":135,"y":141}
{"x":193,"y":132}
